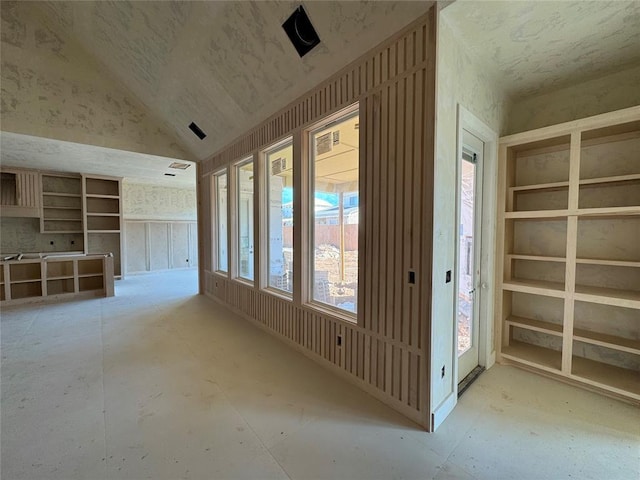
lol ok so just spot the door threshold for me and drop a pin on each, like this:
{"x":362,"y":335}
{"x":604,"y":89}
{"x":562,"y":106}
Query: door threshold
{"x":469,"y":379}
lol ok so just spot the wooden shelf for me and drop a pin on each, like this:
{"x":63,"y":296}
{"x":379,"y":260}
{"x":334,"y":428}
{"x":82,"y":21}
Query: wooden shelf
{"x":612,"y":263}
{"x":539,"y":258}
{"x":610,"y":341}
{"x":533,"y":214}
{"x":88,"y":275}
{"x":52,"y":219}
{"x":98,"y":214}
{"x":535,"y":325}
{"x":610,"y":180}
{"x":541,"y":186}
{"x":94,"y":195}
{"x":66,"y":277}
{"x":63,"y":231}
{"x":51,"y":207}
{"x":32,"y":280}
{"x":537,"y":287}
{"x":533,"y":355}
{"x":605,"y":376}
{"x":103,"y":231}
{"x":608,"y":211}
{"x":55,"y":194}
{"x":608,"y":296}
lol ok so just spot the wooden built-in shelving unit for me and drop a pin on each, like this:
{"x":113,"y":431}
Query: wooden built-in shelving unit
{"x":103,"y":217}
{"x":56,"y":277}
{"x":61,"y":203}
{"x":569,"y":252}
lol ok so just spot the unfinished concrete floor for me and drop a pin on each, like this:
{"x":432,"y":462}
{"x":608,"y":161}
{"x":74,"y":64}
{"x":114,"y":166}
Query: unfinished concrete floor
{"x":158,"y":383}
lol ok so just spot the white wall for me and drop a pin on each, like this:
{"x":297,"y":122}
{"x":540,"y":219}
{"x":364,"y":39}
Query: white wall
{"x":151,"y":202}
{"x":600,"y":95}
{"x":160,"y":227}
{"x":460,"y":81}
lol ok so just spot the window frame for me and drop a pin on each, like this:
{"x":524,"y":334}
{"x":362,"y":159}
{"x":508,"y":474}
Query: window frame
{"x":309,"y":215}
{"x":265,"y":247}
{"x":235,"y":241}
{"x":215,"y":260}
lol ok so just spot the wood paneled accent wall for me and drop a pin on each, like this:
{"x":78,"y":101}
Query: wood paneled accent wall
{"x":387,"y":352}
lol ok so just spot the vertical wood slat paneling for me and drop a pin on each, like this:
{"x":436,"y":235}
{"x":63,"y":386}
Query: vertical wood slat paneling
{"x":384,"y":350}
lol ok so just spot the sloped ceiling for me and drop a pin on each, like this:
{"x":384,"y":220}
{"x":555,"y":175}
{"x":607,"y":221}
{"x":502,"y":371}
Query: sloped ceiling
{"x":26,"y":151}
{"x":533,"y":47}
{"x":52,"y":88}
{"x":224,"y":65}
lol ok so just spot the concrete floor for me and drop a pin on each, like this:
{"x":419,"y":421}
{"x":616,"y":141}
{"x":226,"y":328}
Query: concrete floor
{"x":158,"y":383}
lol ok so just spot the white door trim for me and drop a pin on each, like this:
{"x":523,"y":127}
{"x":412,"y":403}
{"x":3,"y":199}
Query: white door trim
{"x":472,"y":124}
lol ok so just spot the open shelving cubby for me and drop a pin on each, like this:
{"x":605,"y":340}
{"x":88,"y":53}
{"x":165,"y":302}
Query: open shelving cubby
{"x":61,"y":203}
{"x":569,"y":257}
{"x":25,"y":280}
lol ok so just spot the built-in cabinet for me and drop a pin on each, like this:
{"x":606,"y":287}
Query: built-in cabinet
{"x":53,"y":277}
{"x":68,"y":204}
{"x":103,"y":217}
{"x":569,"y":252}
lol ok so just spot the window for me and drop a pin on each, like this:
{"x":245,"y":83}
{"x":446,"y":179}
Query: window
{"x":279,"y":175}
{"x":221,"y":224}
{"x":334,"y":216}
{"x":244,"y":175}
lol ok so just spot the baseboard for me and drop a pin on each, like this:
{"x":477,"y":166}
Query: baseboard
{"x":443,"y":410}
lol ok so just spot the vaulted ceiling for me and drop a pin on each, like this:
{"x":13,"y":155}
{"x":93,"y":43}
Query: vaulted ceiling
{"x":224,"y":65}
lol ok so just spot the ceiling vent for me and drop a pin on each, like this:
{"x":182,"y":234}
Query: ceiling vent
{"x":179,"y":165}
{"x":196,"y":129}
{"x":300,"y":31}
{"x":169,"y":174}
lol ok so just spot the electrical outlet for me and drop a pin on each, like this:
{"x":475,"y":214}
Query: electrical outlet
{"x":412,"y":277}
{"x":51,"y":242}
{"x":442,"y":373}
{"x":448,"y":276}
{"x":339,"y":340}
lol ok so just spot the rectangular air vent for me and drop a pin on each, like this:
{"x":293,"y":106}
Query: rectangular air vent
{"x":279,"y":165}
{"x":180,"y":166}
{"x":323,"y":144}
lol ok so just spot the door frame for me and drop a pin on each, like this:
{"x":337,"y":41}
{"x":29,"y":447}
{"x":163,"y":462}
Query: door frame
{"x":486,"y":341}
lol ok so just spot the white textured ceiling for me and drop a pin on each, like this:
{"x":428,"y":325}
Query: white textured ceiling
{"x":41,"y":153}
{"x":536,"y":46}
{"x":225,"y":65}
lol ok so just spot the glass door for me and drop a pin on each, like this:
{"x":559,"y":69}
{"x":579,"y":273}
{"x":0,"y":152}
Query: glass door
{"x":468,"y":275}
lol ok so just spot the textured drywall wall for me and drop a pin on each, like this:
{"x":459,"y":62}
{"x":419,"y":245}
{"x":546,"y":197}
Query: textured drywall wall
{"x":601,"y":95}
{"x":52,"y":88}
{"x":22,"y":235}
{"x":151,"y":202}
{"x":460,"y":81}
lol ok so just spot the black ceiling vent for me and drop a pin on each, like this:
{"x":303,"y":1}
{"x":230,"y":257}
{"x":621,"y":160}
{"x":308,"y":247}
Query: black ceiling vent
{"x":169,"y":174}
{"x":300,"y":31}
{"x":196,"y":129}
